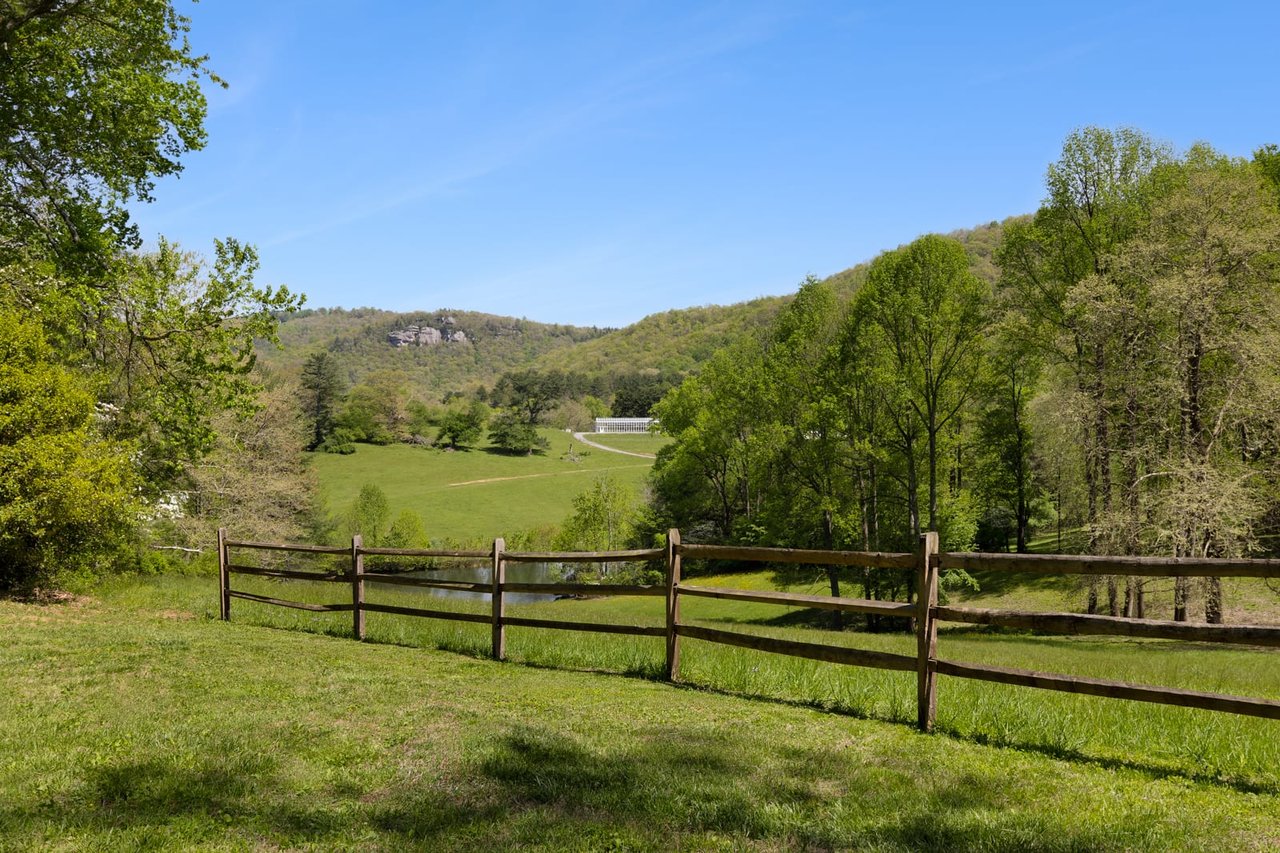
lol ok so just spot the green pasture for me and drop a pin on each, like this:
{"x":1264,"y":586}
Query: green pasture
{"x":633,"y":442}
{"x":475,"y":495}
{"x":1197,"y":744}
{"x":135,"y":720}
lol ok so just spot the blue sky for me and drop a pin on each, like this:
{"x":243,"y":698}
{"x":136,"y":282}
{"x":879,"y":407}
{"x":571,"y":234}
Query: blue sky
{"x":592,"y":163}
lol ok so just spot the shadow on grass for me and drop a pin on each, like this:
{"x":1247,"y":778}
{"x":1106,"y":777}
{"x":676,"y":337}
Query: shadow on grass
{"x":137,"y":803}
{"x":533,"y":785}
{"x":1007,"y":583}
{"x":539,"y":785}
{"x":479,"y":650}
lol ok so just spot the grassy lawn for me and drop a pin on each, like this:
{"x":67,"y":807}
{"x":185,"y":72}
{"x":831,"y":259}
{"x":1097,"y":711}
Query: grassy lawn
{"x":636,"y":443}
{"x":135,"y":721}
{"x":476,"y":494}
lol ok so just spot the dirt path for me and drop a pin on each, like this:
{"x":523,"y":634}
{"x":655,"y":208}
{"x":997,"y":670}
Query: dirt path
{"x":583,"y":438}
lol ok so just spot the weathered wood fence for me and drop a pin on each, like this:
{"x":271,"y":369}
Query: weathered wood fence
{"x":925,"y":613}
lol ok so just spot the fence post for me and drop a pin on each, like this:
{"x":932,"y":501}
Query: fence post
{"x":357,"y":586}
{"x":926,"y":630}
{"x":673,"y":603}
{"x":499,"y":610}
{"x":224,"y":577}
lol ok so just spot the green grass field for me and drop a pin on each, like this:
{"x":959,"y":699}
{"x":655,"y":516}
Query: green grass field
{"x":637,"y":443}
{"x":136,"y":721}
{"x":478,"y":494}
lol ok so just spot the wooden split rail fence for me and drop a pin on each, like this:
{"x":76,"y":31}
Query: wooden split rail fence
{"x":925,"y":612}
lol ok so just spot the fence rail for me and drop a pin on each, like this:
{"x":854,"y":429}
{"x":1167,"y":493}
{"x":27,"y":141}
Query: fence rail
{"x":924,"y":612}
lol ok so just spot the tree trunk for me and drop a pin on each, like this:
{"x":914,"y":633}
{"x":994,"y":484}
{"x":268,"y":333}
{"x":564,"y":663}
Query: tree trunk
{"x":1091,"y":600}
{"x":1213,"y":601}
{"x":1179,"y":599}
{"x":913,"y":488}
{"x":933,"y":473}
{"x":1113,"y":596}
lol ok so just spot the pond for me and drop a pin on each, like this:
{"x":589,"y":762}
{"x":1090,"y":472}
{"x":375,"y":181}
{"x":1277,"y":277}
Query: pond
{"x":516,"y":573}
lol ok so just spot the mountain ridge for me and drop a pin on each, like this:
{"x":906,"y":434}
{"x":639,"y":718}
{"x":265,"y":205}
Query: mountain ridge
{"x":677,"y":340}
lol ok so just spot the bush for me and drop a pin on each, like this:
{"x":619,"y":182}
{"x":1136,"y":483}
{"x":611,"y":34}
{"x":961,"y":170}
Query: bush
{"x":67,"y":506}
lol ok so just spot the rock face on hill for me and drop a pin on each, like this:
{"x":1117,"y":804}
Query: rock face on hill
{"x":425,"y":336}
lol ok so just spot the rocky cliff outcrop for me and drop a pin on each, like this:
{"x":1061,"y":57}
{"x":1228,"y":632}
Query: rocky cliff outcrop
{"x":415,"y":336}
{"x":422,"y":335}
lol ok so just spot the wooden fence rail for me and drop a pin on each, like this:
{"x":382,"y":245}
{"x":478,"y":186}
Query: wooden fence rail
{"x":924,"y":613}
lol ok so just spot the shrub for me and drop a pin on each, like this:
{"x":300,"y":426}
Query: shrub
{"x":67,"y":503}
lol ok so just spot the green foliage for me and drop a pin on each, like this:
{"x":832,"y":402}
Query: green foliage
{"x":369,"y":515}
{"x":512,"y":433}
{"x":67,"y":500}
{"x":255,"y":481}
{"x":97,"y":100}
{"x":341,"y":440}
{"x":708,"y":479}
{"x":406,"y":531}
{"x":602,"y":518}
{"x":635,"y":394}
{"x":530,"y":392}
{"x":321,"y":392}
{"x":367,"y":415}
{"x":925,"y":313}
{"x":463,"y":425}
{"x":175,"y":341}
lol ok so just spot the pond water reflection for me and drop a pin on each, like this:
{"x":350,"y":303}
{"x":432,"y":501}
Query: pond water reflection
{"x":516,"y":573}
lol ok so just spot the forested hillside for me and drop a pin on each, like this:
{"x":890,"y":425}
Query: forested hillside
{"x":488,"y":345}
{"x":676,"y":341}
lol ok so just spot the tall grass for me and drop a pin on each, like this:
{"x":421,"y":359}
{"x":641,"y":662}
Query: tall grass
{"x":1165,"y":740}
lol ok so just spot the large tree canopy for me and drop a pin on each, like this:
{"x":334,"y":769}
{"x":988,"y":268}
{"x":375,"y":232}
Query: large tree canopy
{"x":98,"y":98}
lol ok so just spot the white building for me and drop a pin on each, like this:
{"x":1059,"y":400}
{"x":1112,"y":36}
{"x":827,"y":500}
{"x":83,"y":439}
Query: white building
{"x":623,"y":424}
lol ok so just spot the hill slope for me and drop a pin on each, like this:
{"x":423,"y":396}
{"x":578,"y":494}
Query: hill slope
{"x":678,"y":340}
{"x":464,"y":347}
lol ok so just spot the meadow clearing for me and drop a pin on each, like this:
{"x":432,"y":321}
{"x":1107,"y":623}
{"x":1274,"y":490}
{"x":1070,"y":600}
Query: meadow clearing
{"x":135,"y":720}
{"x":477,"y":494}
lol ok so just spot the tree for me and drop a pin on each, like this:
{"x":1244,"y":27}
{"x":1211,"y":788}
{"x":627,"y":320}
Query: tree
{"x":406,"y":531}
{"x":369,"y":514}
{"x":1005,"y":436}
{"x":321,"y":393}
{"x":1203,"y":285}
{"x":255,"y":480}
{"x":462,"y":426}
{"x":930,"y":313}
{"x":514,"y":435}
{"x":1095,"y":202}
{"x":530,"y":392}
{"x":98,"y":98}
{"x":67,"y":495}
{"x":602,"y":519}
{"x":712,"y":472}
{"x":635,"y":394}
{"x":811,"y":452}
